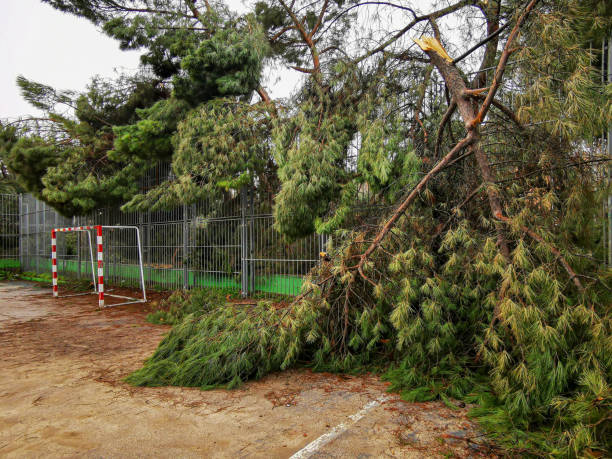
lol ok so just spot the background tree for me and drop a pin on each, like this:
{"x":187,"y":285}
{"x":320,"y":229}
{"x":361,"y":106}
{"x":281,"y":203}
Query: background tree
{"x":96,"y":155}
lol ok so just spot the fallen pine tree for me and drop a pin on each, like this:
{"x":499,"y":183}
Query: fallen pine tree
{"x":469,"y":281}
{"x":540,"y":371}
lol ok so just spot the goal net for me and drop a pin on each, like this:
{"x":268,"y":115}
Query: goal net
{"x":125,"y":251}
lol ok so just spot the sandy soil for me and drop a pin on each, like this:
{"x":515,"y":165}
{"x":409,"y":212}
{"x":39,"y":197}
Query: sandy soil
{"x":62,"y":363}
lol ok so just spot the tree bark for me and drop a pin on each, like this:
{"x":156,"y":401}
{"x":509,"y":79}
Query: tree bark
{"x":473,"y":115}
{"x":469,"y":111}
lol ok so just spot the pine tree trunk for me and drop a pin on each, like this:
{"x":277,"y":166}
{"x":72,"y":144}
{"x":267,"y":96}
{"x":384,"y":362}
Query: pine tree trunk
{"x":468,"y":110}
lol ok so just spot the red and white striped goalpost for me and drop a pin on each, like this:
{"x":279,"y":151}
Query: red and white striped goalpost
{"x":100,"y":267}
{"x":99,"y":285}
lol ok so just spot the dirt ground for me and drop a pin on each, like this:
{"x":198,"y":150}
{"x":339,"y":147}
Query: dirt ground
{"x":62,"y":364}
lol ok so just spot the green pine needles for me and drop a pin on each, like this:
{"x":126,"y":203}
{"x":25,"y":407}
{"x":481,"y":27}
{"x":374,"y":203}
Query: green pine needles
{"x":221,"y":345}
{"x":538,"y":371}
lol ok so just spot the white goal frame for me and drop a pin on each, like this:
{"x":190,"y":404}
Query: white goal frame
{"x":99,"y":285}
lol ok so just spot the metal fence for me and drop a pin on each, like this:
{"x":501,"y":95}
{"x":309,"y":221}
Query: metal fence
{"x":230,"y":244}
{"x":9,"y":231}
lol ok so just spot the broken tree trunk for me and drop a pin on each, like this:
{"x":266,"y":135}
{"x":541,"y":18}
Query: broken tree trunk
{"x":473,"y":115}
{"x":468,"y":110}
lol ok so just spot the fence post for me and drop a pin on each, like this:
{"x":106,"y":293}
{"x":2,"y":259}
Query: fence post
{"x":148,"y":257}
{"x":192,"y":244}
{"x":251,"y":241}
{"x":42,"y":232}
{"x":244,"y":274}
{"x":322,"y":243}
{"x":27,"y":258}
{"x":20,"y":225}
{"x":185,"y":250}
{"x":37,"y":236}
{"x":144,"y":220}
{"x":78,"y":247}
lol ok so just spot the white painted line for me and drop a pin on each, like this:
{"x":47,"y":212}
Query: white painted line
{"x":324,"y":439}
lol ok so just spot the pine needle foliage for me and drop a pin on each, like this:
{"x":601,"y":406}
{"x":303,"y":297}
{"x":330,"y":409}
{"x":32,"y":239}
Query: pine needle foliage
{"x":173,"y":309}
{"x":540,"y":375}
{"x":221,"y":345}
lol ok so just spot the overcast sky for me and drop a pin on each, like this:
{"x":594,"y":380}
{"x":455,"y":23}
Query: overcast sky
{"x":50,"y":47}
{"x":63,"y":51}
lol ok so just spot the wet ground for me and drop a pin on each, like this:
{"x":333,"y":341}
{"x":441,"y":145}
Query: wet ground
{"x":62,"y":364}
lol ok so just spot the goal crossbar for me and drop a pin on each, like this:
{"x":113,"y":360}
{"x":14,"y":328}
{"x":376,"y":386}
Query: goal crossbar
{"x":99,"y":285}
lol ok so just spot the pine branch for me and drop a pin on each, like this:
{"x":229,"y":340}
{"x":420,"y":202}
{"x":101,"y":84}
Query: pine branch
{"x":306,"y":37}
{"x":457,"y":87}
{"x":572,"y":274}
{"x":409,"y":199}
